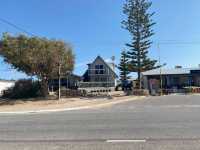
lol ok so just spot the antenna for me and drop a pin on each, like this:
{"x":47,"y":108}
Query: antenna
{"x":113,"y":58}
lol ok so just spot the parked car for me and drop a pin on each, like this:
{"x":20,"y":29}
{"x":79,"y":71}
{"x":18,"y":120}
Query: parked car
{"x":124,"y":85}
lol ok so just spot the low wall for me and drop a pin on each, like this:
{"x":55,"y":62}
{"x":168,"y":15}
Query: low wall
{"x":138,"y":92}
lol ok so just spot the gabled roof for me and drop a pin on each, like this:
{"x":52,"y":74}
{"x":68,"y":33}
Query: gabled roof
{"x":99,"y":57}
{"x":107,"y":65}
{"x":175,"y":71}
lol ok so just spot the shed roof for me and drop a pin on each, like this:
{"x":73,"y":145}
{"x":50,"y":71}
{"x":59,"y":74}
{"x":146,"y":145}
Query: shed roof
{"x":174,"y":71}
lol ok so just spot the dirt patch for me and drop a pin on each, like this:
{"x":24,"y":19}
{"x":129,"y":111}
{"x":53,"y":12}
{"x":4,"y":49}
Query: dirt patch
{"x":32,"y":105}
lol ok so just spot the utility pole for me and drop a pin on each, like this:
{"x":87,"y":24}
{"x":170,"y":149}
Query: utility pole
{"x":161,"y":81}
{"x":68,"y":73}
{"x":59,"y":75}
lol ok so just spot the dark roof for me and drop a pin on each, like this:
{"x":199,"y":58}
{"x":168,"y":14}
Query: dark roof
{"x":71,"y":75}
{"x":99,"y":57}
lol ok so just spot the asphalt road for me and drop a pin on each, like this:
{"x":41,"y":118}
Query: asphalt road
{"x":155,"y":123}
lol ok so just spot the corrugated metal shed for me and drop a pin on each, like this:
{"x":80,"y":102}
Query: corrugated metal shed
{"x":174,"y":71}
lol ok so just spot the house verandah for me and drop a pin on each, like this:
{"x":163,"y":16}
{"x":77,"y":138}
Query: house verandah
{"x":69,"y":81}
{"x":178,"y":78}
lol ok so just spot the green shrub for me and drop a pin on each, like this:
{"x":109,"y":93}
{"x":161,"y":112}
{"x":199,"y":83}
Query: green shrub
{"x":25,"y":88}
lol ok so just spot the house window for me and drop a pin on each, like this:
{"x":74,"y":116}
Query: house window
{"x":89,"y":72}
{"x":99,"y":69}
{"x":97,"y":80}
{"x":103,"y":80}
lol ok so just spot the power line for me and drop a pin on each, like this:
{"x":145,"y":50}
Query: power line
{"x":173,"y":42}
{"x":166,"y":42}
{"x":16,"y":27}
{"x":20,"y":29}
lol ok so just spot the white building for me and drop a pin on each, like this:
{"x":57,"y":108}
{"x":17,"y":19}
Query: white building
{"x":5,"y":84}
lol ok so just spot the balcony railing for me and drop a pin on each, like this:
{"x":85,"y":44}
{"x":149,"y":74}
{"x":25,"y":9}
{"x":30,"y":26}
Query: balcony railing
{"x":95,"y":84}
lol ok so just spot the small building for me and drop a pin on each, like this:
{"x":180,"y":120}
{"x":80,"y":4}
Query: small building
{"x":69,"y":81}
{"x":176,"y":78}
{"x":99,"y":74}
{"x":6,"y":84}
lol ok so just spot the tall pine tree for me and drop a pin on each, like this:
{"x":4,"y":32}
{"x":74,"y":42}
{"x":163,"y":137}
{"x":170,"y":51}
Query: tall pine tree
{"x":123,"y":66}
{"x":139,"y":24}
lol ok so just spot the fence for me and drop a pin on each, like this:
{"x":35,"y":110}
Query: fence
{"x":184,"y":90}
{"x":95,"y":84}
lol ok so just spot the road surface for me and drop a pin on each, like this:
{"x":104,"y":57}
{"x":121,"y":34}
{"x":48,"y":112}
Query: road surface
{"x":168,"y":122}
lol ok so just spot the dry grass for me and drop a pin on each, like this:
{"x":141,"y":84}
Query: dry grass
{"x":44,"y":104}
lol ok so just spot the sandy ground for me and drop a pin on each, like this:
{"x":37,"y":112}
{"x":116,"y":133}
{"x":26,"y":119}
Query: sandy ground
{"x":64,"y":103}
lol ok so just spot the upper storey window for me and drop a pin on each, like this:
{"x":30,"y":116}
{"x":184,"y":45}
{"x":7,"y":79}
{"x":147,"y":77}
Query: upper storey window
{"x":99,"y":69}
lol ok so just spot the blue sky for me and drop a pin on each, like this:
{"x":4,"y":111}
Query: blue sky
{"x":93,"y":27}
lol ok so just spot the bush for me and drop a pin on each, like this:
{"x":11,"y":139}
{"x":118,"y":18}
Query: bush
{"x":25,"y":88}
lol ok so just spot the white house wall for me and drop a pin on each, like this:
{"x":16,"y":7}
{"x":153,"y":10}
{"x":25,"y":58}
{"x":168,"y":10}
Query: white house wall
{"x":4,"y":85}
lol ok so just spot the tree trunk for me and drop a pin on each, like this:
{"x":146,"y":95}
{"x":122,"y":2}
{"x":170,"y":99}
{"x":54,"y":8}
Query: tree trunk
{"x":44,"y":88}
{"x":139,"y":80}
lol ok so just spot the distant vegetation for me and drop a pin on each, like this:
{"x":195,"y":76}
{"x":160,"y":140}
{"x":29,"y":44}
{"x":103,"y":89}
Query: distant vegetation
{"x":124,"y":67}
{"x":24,"y":88}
